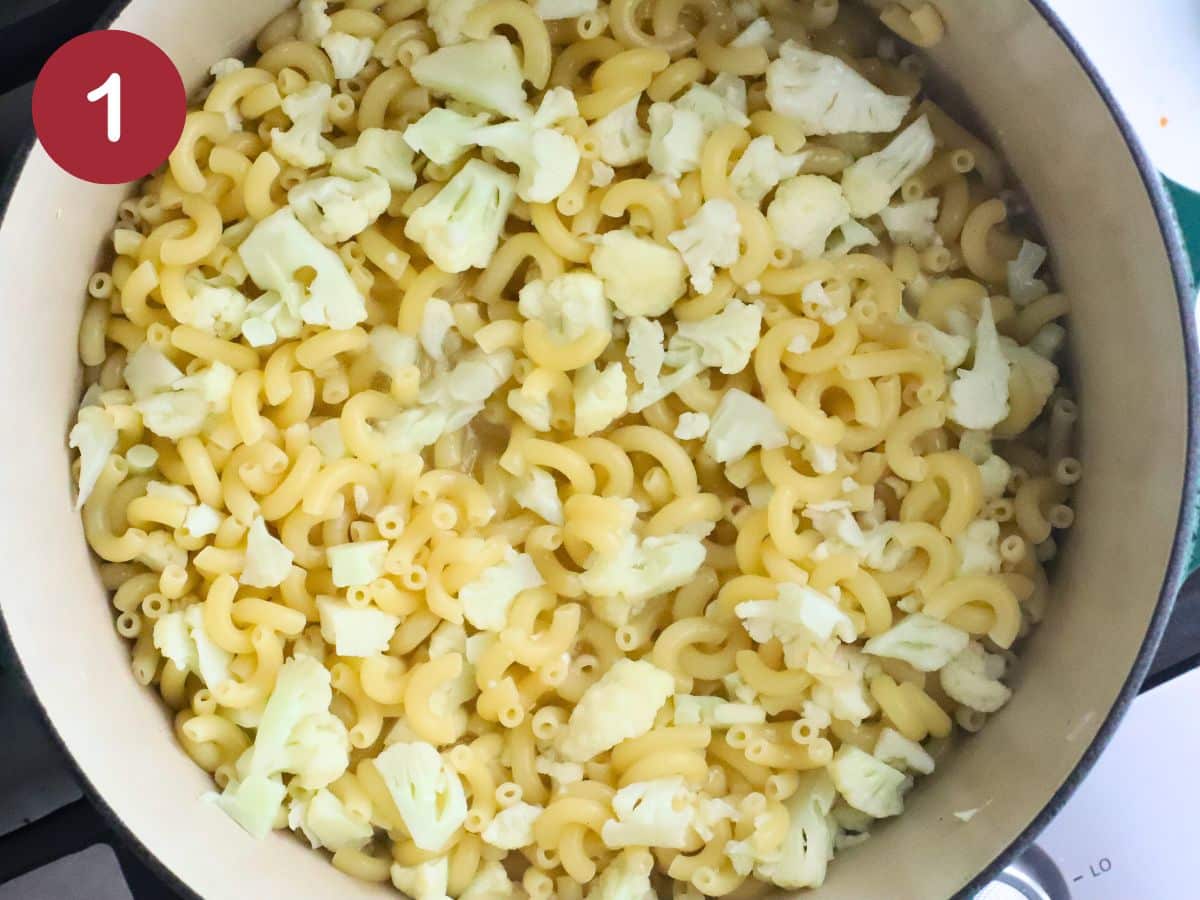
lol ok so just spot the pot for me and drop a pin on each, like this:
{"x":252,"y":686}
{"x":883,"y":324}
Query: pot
{"x":1133,"y":363}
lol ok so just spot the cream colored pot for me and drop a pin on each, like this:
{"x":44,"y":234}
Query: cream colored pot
{"x":1117,"y":256}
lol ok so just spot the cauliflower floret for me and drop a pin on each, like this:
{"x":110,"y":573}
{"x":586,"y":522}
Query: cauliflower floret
{"x":426,"y":790}
{"x":621,"y":705}
{"x":174,"y":414}
{"x":533,"y":406}
{"x":716,"y":712}
{"x":625,"y":878}
{"x":443,"y":135}
{"x":979,"y":396}
{"x":870,"y":181}
{"x":253,"y":803}
{"x":487,"y":599}
{"x":641,"y":278}
{"x":447,"y":17}
{"x":552,"y":10}
{"x":437,"y":323}
{"x":314,"y":22}
{"x":94,"y":435}
{"x":275,"y":252}
{"x":707,"y":241}
{"x":600,"y":396}
{"x":692,"y":426}
{"x":868,"y":784}
{"x":546,"y":159}
{"x":1039,"y":372}
{"x":841,"y":687}
{"x":979,"y":548}
{"x":639,"y":571}
{"x":347,"y":53}
{"x":268,"y":561}
{"x":901,"y":753}
{"x":216,"y":309}
{"x":805,"y":211}
{"x":377,"y":152}
{"x":724,"y":341}
{"x":740,"y":423}
{"x":180,"y":636}
{"x":723,"y":102}
{"x":214,"y":384}
{"x":327,"y":437}
{"x":512,"y":828}
{"x":850,"y":236}
{"x":808,"y":846}
{"x":826,"y":96}
{"x":335,"y":209}
{"x":202,"y":520}
{"x":147,"y":371}
{"x":761,"y":168}
{"x":973,"y":679}
{"x":355,"y":631}
{"x":491,"y":882}
{"x":1023,"y":284}
{"x":484,"y":73}
{"x":569,"y":306}
{"x":676,"y":140}
{"x":645,"y":349}
{"x":302,"y":144}
{"x":800,"y":617}
{"x":756,"y":34}
{"x":912,"y":223}
{"x":425,"y":881}
{"x":650,"y":814}
{"x":538,"y":493}
{"x":325,"y":822}
{"x":921,"y":641}
{"x":620,"y":139}
{"x":460,"y":227}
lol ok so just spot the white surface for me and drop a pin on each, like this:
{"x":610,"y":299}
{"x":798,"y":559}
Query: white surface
{"x":1149,"y":53}
{"x":1130,"y":830}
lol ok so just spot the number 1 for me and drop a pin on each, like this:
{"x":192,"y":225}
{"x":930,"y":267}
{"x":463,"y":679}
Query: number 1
{"x":111,"y":91}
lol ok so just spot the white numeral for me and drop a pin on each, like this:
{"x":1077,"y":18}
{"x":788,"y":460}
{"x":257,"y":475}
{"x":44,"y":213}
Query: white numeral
{"x":110,"y":91}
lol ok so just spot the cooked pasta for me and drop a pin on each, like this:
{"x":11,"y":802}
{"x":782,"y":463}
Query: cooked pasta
{"x":574,"y":449}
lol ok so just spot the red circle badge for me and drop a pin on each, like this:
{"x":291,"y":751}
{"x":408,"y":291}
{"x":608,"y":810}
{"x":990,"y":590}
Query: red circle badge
{"x":109,"y":107}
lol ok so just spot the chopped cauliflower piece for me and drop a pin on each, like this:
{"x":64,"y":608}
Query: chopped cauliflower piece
{"x":491,"y":882}
{"x":870,"y":181}
{"x":819,"y":305}
{"x":627,"y":877}
{"x":275,"y":253}
{"x":202,"y":520}
{"x":314,"y":21}
{"x":303,"y":145}
{"x":336,"y":209}
{"x":347,"y":53}
{"x":1023,"y":284}
{"x":805,"y":211}
{"x":641,"y":570}
{"x":912,"y":223}
{"x":600,"y":396}
{"x":355,"y":631}
{"x":443,"y":135}
{"x":826,"y":96}
{"x":377,"y":152}
{"x":538,"y":493}
{"x":327,"y":437}
{"x":426,"y":790}
{"x":979,"y":396}
{"x":546,"y":159}
{"x":921,"y":641}
{"x":460,"y":227}
{"x":447,"y":18}
{"x":901,"y":753}
{"x":216,"y":309}
{"x":650,"y":814}
{"x":487,"y":599}
{"x":840,"y":687}
{"x":622,"y":704}
{"x":716,"y":712}
{"x":676,"y":140}
{"x":692,"y":426}
{"x":756,"y":34}
{"x":484,"y":73}
{"x":1041,"y":374}
{"x":395,"y":352}
{"x":868,"y":784}
{"x":707,"y":241}
{"x":800,"y":617}
{"x":147,"y":372}
{"x":437,"y":321}
{"x":426,"y":880}
{"x":641,"y":277}
{"x":620,"y":139}
{"x":972,"y":678}
{"x":740,"y":423}
{"x":94,"y":435}
{"x":849,"y":237}
{"x":808,"y":846}
{"x":761,"y":168}
{"x":180,"y":637}
{"x":512,"y":828}
{"x":325,"y":822}
{"x":723,"y":102}
{"x":253,"y":803}
{"x":569,"y":306}
{"x":268,"y":561}
{"x":979,"y":548}
{"x":532,"y":406}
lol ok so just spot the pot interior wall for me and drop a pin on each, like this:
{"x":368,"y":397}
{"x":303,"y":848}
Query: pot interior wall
{"x":1129,"y":362}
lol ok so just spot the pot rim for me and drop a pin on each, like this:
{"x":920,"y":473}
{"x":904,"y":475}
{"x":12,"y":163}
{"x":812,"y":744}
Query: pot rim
{"x":1172,"y":237}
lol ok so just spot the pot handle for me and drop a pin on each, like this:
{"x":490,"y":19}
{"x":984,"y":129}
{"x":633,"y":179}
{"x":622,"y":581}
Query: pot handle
{"x":27,"y":43}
